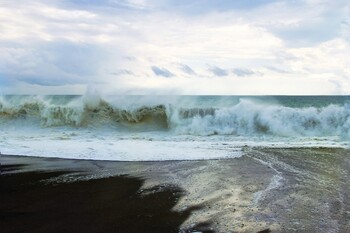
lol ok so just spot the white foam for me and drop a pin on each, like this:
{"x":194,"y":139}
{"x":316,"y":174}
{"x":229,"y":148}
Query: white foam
{"x":130,"y":128}
{"x":151,"y":146}
{"x":249,"y":118}
{"x":100,"y":148}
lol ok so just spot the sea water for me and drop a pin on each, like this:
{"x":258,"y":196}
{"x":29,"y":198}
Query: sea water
{"x":152,"y":128}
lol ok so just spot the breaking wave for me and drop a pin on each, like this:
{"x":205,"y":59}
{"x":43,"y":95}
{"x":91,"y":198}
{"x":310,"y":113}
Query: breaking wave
{"x":249,"y":118}
{"x":244,"y":117}
{"x":78,"y":112}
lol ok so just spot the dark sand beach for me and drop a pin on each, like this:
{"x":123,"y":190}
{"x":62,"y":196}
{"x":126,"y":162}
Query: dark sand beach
{"x":37,"y":201}
{"x":265,"y":190}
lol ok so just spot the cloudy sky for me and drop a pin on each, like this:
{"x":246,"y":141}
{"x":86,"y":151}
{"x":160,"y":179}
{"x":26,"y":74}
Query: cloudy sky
{"x":175,"y":46}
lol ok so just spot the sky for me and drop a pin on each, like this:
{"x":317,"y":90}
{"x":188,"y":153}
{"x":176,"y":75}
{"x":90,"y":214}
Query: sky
{"x":197,"y":47}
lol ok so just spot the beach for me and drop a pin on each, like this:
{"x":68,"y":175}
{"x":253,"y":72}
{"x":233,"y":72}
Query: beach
{"x":64,"y":200}
{"x":264,"y":190}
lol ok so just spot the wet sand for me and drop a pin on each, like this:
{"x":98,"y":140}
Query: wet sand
{"x":41,"y":202}
{"x":265,"y":190}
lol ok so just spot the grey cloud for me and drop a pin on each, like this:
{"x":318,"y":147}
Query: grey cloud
{"x":161,"y":72}
{"x":183,"y":6}
{"x":74,"y":58}
{"x":51,"y":63}
{"x":130,"y":58}
{"x":345,"y":26}
{"x":187,"y":69}
{"x":275,"y":69}
{"x":346,"y":23}
{"x":217,"y":71}
{"x":242,"y":72}
{"x":204,"y":6}
{"x":44,"y":81}
{"x":41,"y":81}
{"x":122,"y":72}
{"x":308,"y":35}
{"x":324,"y":26}
{"x":106,"y":6}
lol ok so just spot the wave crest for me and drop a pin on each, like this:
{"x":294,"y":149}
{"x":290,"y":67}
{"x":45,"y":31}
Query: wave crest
{"x":77,"y":112}
{"x":249,"y":118}
{"x":245,"y":118}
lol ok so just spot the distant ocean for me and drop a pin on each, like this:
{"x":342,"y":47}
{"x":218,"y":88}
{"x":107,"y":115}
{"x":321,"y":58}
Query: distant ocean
{"x":145,"y":128}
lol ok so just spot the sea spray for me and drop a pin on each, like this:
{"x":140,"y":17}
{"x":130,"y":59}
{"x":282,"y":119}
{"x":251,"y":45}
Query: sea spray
{"x":148,"y":128}
{"x":245,"y":117}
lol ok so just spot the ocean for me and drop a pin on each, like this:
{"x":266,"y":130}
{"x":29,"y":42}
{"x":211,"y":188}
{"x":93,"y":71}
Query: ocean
{"x":157,"y":128}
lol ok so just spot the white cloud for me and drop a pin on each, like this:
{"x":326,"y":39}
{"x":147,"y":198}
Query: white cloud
{"x":53,"y":45}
